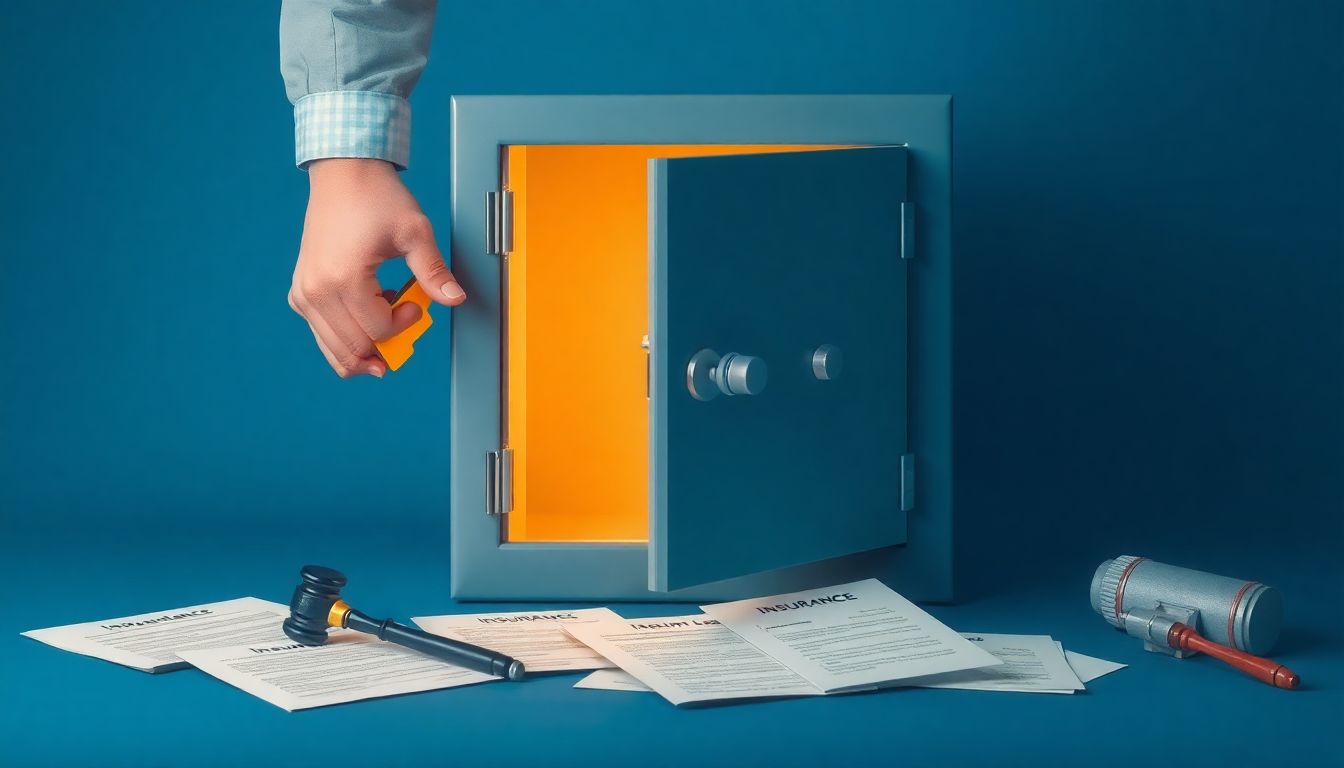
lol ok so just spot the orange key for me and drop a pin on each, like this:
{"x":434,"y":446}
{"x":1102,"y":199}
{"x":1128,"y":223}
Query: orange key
{"x":398,"y":349}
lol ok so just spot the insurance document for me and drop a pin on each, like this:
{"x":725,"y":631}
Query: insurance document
{"x":536,"y":638}
{"x":849,"y":637}
{"x":349,"y":667}
{"x":150,"y":641}
{"x":1031,"y":664}
{"x":691,"y":659}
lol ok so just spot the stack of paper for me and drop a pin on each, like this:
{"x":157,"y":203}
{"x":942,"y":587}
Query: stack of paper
{"x":851,"y":637}
{"x":1030,"y":663}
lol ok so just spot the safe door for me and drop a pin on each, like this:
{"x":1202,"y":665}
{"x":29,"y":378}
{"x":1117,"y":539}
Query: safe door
{"x":704,"y":353}
{"x":777,"y":307}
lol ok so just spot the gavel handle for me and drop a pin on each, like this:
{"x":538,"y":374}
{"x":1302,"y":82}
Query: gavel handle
{"x":1182,"y":637}
{"x":452,"y":651}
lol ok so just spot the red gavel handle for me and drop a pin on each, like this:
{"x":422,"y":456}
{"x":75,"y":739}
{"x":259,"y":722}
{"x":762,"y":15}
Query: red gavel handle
{"x":1182,"y":637}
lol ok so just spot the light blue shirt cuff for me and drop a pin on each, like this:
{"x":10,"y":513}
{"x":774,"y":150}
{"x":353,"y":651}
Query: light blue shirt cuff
{"x":352,"y":124}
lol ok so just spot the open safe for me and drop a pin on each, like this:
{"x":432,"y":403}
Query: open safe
{"x":708,"y":348}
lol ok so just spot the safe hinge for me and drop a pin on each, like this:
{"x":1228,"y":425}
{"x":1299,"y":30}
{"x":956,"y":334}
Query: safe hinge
{"x":499,"y":482}
{"x":907,"y":482}
{"x":907,"y":230}
{"x":499,"y":222}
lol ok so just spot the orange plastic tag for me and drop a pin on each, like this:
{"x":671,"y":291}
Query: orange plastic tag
{"x":399,"y":348}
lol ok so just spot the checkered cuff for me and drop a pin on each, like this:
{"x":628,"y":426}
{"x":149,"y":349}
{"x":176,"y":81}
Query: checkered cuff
{"x":352,"y":124}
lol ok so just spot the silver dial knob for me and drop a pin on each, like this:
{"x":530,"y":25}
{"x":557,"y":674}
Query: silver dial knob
{"x":708,"y":375}
{"x":740,"y":374}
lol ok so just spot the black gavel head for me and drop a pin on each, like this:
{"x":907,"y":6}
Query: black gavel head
{"x":311,"y":604}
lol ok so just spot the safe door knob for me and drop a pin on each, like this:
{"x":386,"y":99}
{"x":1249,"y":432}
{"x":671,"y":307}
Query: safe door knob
{"x":740,"y":374}
{"x":708,"y":375}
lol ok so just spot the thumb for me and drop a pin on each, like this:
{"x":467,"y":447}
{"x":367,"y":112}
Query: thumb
{"x":425,"y":261}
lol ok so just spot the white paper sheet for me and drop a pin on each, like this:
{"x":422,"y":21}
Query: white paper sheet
{"x":690,"y":659}
{"x":349,"y":667}
{"x":536,"y":638}
{"x":149,"y":641}
{"x":851,"y":636}
{"x":612,"y":680}
{"x":1031,"y":664}
{"x":1089,"y":668}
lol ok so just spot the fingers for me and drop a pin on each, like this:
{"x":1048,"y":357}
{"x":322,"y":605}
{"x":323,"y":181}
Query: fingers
{"x":416,"y":240}
{"x":327,"y":353}
{"x":348,"y":349}
{"x":322,"y":345}
{"x":352,"y":355}
{"x":404,"y":317}
{"x":371,"y":308}
{"x":336,"y":289}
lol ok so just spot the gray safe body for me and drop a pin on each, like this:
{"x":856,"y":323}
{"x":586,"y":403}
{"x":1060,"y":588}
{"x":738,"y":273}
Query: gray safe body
{"x":818,"y":448}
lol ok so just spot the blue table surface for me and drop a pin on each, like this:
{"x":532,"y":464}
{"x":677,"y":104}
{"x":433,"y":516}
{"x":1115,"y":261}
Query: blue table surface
{"x":61,"y":708}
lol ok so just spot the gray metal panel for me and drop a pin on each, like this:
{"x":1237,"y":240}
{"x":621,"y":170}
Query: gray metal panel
{"x":771,"y":255}
{"x":482,"y":568}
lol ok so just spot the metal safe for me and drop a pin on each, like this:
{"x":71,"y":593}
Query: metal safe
{"x":708,"y":349}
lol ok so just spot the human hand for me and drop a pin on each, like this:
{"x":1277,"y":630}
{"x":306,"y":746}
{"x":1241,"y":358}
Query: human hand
{"x":359,"y":215}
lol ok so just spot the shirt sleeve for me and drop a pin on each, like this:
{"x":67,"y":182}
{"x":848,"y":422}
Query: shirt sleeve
{"x":349,"y":66}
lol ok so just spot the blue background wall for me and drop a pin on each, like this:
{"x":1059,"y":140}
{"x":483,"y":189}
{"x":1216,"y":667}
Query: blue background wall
{"x":1149,"y":227}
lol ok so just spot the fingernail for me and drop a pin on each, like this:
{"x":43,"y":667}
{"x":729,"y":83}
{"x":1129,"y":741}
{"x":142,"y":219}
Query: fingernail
{"x":376,"y":371}
{"x":453,"y":291}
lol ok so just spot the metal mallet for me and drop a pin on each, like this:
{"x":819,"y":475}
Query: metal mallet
{"x":1177,"y":611}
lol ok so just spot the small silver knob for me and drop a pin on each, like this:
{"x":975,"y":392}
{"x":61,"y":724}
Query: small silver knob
{"x":708,"y":375}
{"x":740,"y":374}
{"x":827,"y":362}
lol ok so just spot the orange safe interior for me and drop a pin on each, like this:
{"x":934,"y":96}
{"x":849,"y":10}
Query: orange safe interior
{"x":576,"y":416}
